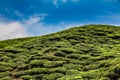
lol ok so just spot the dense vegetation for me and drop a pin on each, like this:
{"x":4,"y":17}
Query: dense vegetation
{"x":90,"y":52}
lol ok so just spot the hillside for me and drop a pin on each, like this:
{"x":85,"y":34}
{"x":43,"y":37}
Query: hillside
{"x":90,"y":52}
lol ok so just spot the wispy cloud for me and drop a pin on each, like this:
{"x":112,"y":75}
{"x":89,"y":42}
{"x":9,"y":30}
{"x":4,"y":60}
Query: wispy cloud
{"x":33,"y":26}
{"x":42,"y":28}
{"x":109,"y":19}
{"x":16,"y":29}
{"x":36,"y":25}
{"x":34,"y":19}
{"x":12,"y":30}
{"x":57,"y":2}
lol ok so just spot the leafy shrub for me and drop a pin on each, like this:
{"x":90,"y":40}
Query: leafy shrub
{"x":10,"y":55}
{"x":53,"y":76}
{"x":34,"y":71}
{"x":72,"y":71}
{"x":37,"y":63}
{"x":6,"y":78}
{"x":26,"y":77}
{"x":48,"y":50}
{"x":13,"y":50}
{"x":68,"y":50}
{"x":51,"y":58}
{"x":38,"y":76}
{"x":115,"y":73}
{"x":4,"y":74}
{"x":7,"y":64}
{"x":23,"y":67}
{"x":4,"y":58}
{"x":60,"y":54}
{"x":3,"y":68}
{"x":73,"y":66}
{"x":50,"y":64}
{"x":58,"y":70}
{"x":90,"y":52}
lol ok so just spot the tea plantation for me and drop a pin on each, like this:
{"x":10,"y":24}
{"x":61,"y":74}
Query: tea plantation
{"x":89,"y":52}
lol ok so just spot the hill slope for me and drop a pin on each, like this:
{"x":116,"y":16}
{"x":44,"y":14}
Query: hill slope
{"x":90,"y":52}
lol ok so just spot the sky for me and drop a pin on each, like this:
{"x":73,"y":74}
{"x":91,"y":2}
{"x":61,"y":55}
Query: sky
{"x":23,"y":18}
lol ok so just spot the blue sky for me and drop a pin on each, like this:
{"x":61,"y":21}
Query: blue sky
{"x":21,"y":18}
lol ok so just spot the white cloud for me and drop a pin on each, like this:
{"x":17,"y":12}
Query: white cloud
{"x":42,"y":28}
{"x":56,"y":2}
{"x":35,"y":19}
{"x":32,"y":20}
{"x":12,"y":30}
{"x":64,"y":1}
{"x":36,"y":26}
{"x":17,"y":29}
{"x":33,"y":26}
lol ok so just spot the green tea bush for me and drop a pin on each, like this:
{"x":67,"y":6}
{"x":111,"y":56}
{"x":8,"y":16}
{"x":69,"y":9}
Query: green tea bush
{"x":5,"y":74}
{"x":51,"y":58}
{"x":34,"y":71}
{"x":26,"y":77}
{"x":37,"y":63}
{"x":50,"y":64}
{"x":60,"y":54}
{"x":72,"y":71}
{"x":6,"y":78}
{"x":4,"y":58}
{"x":68,"y":50}
{"x":23,"y":67}
{"x":58,"y":70}
{"x":62,"y":44}
{"x":7,"y":64}
{"x":115,"y":73}
{"x":38,"y":77}
{"x":89,"y":52}
{"x":53,"y":76}
{"x":13,"y":50}
{"x":73,"y":66}
{"x":3,"y":68}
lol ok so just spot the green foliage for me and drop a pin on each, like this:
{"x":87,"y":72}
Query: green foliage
{"x":53,"y":76}
{"x":60,"y":54}
{"x":68,"y":50}
{"x":26,"y":77}
{"x":50,"y":64}
{"x":89,"y":52}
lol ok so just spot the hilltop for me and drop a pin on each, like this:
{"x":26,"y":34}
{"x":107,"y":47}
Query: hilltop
{"x":89,"y":52}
